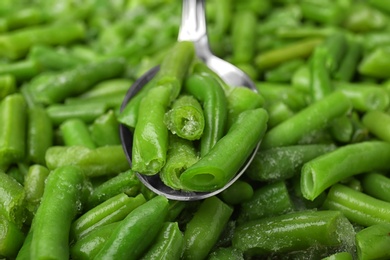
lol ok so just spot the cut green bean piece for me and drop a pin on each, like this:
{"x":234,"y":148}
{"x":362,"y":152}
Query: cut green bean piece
{"x":126,"y":182}
{"x":110,"y":211}
{"x":89,"y":246}
{"x":213,"y":171}
{"x":137,"y":231}
{"x":39,"y":134}
{"x":7,"y":85}
{"x":150,"y":140}
{"x":281,"y":163}
{"x":34,"y":185}
{"x":299,"y":49}
{"x":294,"y":231}
{"x":372,"y":242}
{"x":270,"y":200}
{"x":75,"y":132}
{"x":378,"y":123}
{"x":11,"y":238}
{"x":314,"y":117}
{"x":16,"y":44}
{"x":376,"y":185}
{"x":204,"y":229}
{"x":181,"y":155}
{"x":358,"y":207}
{"x":185,"y":118}
{"x":54,"y":216}
{"x":12,"y":199}
{"x":13,"y":114}
{"x":101,"y":161}
{"x":169,"y":243}
{"x":104,"y":130}
{"x":346,"y":161}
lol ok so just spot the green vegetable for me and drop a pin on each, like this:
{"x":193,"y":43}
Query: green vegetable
{"x":169,"y":243}
{"x":328,"y":169}
{"x":204,"y":228}
{"x":75,"y":132}
{"x":294,"y":231}
{"x":212,"y":171}
{"x":185,"y":118}
{"x":55,"y":214}
{"x":209,"y":91}
{"x":371,"y":242}
{"x":13,"y":116}
{"x":137,"y":231}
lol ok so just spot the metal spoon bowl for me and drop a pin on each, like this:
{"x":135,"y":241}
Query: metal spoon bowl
{"x":192,"y":28}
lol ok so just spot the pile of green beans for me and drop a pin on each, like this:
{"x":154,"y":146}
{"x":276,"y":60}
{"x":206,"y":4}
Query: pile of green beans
{"x":318,"y":187}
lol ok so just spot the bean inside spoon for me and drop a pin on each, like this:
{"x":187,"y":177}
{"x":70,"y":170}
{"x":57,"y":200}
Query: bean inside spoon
{"x":192,"y":28}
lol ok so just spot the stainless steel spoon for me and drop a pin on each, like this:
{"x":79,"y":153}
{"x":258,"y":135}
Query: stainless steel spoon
{"x":192,"y":28}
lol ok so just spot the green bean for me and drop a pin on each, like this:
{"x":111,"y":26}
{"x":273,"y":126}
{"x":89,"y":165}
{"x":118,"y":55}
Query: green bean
{"x":12,"y":199}
{"x":137,"y":231}
{"x":281,"y":163}
{"x":375,"y":63}
{"x":56,"y":87}
{"x":358,"y":207}
{"x":278,"y":92}
{"x":363,"y":18}
{"x":208,"y":90}
{"x":295,"y":231}
{"x":243,"y":38}
{"x":34,"y":184}
{"x":339,"y":256}
{"x":24,"y":251}
{"x":203,"y":230}
{"x":181,"y":155}
{"x":239,"y":100}
{"x":174,"y":67}
{"x":125,"y":182}
{"x":101,"y":161}
{"x":13,"y":116}
{"x":54,"y":216}
{"x":283,"y":72}
{"x":76,"y":132}
{"x":11,"y":239}
{"x":335,"y":47}
{"x":267,"y":201}
{"x":169,"y":243}
{"x":320,"y":80}
{"x":376,"y":185}
{"x":237,"y":193}
{"x":89,"y":246}
{"x":365,"y":98}
{"x":372,"y":241}
{"x":40,"y":134}
{"x":328,"y":169}
{"x":7,"y":85}
{"x":378,"y":123}
{"x":21,"y":70}
{"x":59,"y":113}
{"x":108,"y":87}
{"x":212,"y":171}
{"x":348,"y":65}
{"x":150,"y":140}
{"x":226,"y":253}
{"x":49,"y":58}
{"x":325,"y":12}
{"x":17,"y":43}
{"x":104,"y":130}
{"x":342,"y":129}
{"x":299,"y":49}
{"x":185,"y":118}
{"x":112,"y":210}
{"x":278,"y":112}
{"x":314,"y":117}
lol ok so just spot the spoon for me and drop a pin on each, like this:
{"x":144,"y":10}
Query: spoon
{"x":192,"y":28}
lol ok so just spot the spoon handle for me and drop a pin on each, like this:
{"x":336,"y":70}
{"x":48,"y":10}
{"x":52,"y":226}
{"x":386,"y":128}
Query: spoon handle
{"x":193,"y":26}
